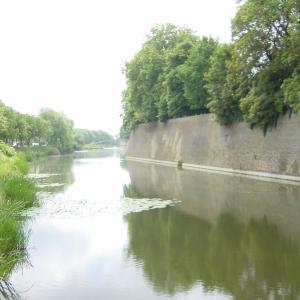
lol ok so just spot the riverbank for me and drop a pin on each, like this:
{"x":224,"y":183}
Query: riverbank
{"x":31,"y":153}
{"x":17,"y":193}
{"x":200,"y":142}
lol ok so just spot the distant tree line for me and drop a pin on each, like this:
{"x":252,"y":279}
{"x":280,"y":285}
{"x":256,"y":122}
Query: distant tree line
{"x":255,"y":78}
{"x":48,"y":128}
{"x":85,"y":137}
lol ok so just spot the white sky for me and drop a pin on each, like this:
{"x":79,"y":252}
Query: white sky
{"x":68,"y":54}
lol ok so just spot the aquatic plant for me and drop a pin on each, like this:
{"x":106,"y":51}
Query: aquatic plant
{"x":179,"y":164}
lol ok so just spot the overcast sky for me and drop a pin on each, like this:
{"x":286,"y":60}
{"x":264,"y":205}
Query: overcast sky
{"x":68,"y":54}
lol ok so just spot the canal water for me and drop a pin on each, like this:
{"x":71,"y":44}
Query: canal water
{"x":107,"y":228}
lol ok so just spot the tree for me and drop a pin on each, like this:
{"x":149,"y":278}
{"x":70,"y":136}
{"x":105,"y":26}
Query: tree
{"x":43,"y":129}
{"x":151,"y":82}
{"x":62,"y":135}
{"x":262,"y":31}
{"x":192,"y":73}
{"x":173,"y":92}
{"x":3,"y":122}
{"x":221,"y":87}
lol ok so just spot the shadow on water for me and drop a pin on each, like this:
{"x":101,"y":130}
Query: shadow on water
{"x":231,"y":234}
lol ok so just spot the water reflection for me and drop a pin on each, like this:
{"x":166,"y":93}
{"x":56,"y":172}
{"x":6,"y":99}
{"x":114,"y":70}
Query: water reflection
{"x":54,"y":174}
{"x":106,"y":236}
{"x":231,"y":234}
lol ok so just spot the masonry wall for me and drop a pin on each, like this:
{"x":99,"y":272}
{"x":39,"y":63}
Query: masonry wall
{"x":200,"y":140}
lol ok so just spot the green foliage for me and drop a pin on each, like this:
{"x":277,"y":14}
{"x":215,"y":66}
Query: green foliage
{"x":220,"y":87}
{"x":179,"y":164}
{"x":265,"y":37}
{"x":255,"y":78}
{"x":291,"y":91}
{"x":12,"y":246}
{"x":62,"y":135}
{"x":173,"y":93}
{"x":7,"y":150}
{"x":193,"y":71}
{"x":130,"y":191}
{"x":31,"y":153}
{"x":156,"y":77}
{"x":91,"y":138}
{"x":92,"y":146}
{"x":20,"y":163}
{"x":20,"y":190}
{"x":264,"y":103}
{"x":16,"y":194}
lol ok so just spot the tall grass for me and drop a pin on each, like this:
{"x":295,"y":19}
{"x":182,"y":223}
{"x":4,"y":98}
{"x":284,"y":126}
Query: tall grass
{"x":17,"y":193}
{"x":31,"y":153}
{"x":12,"y":245}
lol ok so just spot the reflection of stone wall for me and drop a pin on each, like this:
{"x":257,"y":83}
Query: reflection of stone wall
{"x":207,"y":195}
{"x":200,"y":140}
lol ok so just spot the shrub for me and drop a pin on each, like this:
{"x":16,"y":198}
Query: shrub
{"x":179,"y":164}
{"x":7,"y":150}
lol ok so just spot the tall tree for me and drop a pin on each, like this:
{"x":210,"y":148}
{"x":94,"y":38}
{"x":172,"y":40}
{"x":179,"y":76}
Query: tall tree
{"x":193,"y":71}
{"x":221,"y":86}
{"x":62,"y":135}
{"x":261,"y":32}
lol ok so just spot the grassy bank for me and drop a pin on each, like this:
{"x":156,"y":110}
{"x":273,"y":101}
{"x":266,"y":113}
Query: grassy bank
{"x":91,"y":146}
{"x":31,"y":153}
{"x":17,"y":193}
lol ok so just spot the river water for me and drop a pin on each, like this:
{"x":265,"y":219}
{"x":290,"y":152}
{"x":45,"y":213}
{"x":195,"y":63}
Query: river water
{"x":108,"y":229}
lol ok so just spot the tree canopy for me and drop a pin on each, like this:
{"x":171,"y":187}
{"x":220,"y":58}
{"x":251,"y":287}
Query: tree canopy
{"x":48,"y":128}
{"x":256,"y":77}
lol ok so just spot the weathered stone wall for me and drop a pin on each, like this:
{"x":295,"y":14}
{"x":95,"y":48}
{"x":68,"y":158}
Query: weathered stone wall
{"x":200,"y":140}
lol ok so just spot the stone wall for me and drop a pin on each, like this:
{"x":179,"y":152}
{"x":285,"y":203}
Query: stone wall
{"x":200,"y":140}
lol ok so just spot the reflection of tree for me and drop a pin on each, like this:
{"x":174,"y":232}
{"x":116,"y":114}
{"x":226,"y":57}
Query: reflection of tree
{"x":249,"y":261}
{"x":61,"y":165}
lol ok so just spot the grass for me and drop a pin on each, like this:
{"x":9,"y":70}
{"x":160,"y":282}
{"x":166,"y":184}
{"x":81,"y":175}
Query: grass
{"x":31,"y":153}
{"x":91,"y":146}
{"x":21,"y":191}
{"x":17,"y":193}
{"x":13,"y":242}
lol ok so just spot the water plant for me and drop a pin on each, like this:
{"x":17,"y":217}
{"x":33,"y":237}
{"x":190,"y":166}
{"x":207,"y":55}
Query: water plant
{"x":179,"y":164}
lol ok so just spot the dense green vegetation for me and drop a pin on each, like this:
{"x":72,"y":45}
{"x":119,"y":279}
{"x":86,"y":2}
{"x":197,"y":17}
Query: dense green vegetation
{"x":37,"y":152}
{"x":256,"y":77}
{"x":51,"y":132}
{"x":92,"y":138}
{"x":17,"y":193}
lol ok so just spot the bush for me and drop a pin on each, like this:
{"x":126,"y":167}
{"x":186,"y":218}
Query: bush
{"x":7,"y":150}
{"x":179,"y":164}
{"x":21,"y":164}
